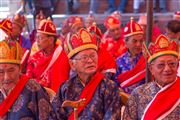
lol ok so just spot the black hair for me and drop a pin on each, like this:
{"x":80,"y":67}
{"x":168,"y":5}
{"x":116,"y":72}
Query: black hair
{"x":174,"y":26}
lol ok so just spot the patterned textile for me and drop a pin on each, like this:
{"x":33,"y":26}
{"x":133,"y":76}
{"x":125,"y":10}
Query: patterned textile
{"x":32,"y":104}
{"x":125,"y":63}
{"x":140,"y":98}
{"x":105,"y":103}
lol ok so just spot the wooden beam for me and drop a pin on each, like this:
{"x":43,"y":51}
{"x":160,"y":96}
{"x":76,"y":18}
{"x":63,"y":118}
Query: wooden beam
{"x":149,"y":9}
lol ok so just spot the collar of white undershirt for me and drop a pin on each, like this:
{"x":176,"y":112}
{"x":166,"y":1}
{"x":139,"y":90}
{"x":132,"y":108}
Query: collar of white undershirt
{"x":162,"y":86}
{"x":3,"y":92}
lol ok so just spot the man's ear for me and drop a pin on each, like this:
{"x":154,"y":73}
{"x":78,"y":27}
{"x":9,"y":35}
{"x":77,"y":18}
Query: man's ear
{"x":125,"y":41}
{"x":72,"y":64}
{"x":150,"y":68}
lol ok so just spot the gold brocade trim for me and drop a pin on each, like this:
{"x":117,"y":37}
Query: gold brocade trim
{"x":9,"y":61}
{"x":9,"y":26}
{"x":134,"y":33}
{"x":47,"y":33}
{"x":75,"y":24}
{"x":154,"y":56}
{"x":85,"y":36}
{"x":83,"y":47}
{"x":6,"y":29}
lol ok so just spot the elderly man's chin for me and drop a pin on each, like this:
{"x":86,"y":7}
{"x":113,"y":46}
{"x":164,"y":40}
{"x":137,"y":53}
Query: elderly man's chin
{"x":91,"y":70}
{"x":168,"y":80}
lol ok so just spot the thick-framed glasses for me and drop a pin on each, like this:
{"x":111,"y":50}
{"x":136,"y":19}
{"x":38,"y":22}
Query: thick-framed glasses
{"x":163,"y":65}
{"x":85,"y":58}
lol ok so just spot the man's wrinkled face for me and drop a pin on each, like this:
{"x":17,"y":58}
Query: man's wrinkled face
{"x":9,"y":75}
{"x":43,"y":41}
{"x":85,"y":62}
{"x":16,"y":30}
{"x":134,"y":44}
{"x":164,"y":69}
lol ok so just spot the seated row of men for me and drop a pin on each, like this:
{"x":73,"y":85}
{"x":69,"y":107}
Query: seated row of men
{"x":89,"y":90}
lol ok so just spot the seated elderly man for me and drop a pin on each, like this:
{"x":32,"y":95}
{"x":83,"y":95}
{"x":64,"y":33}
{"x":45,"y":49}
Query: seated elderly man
{"x":159,"y":99}
{"x":20,"y":97}
{"x":89,"y":92}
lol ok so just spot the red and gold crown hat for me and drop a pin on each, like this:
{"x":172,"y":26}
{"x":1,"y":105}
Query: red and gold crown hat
{"x":112,"y":22}
{"x":6,"y":26}
{"x":96,"y":30}
{"x":46,"y":26}
{"x":20,"y":20}
{"x":132,"y":28}
{"x":75,"y":20}
{"x":79,"y":41}
{"x":161,"y":46}
{"x":10,"y":52}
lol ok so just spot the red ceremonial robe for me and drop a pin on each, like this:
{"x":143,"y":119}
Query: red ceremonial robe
{"x":55,"y":75}
{"x":164,"y":102}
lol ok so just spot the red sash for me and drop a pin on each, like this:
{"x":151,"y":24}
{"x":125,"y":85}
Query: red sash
{"x":164,"y":102}
{"x":60,"y":66}
{"x":88,"y":92}
{"x":106,"y":62}
{"x":135,"y":75}
{"x":7,"y":103}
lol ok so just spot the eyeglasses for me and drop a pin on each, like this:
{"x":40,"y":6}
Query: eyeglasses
{"x":85,"y":58}
{"x":41,"y":37}
{"x":163,"y":65}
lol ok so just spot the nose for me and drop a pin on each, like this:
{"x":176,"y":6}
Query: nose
{"x":139,"y":43}
{"x":89,"y":59}
{"x":6,"y":77}
{"x":37,"y":40}
{"x":167,"y":67}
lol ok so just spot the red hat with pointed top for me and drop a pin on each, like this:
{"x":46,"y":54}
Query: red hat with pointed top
{"x":79,"y":41}
{"x":132,"y":28}
{"x":6,"y":26}
{"x":162,"y":46}
{"x":46,"y":26}
{"x":96,"y":30}
{"x":112,"y":22}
